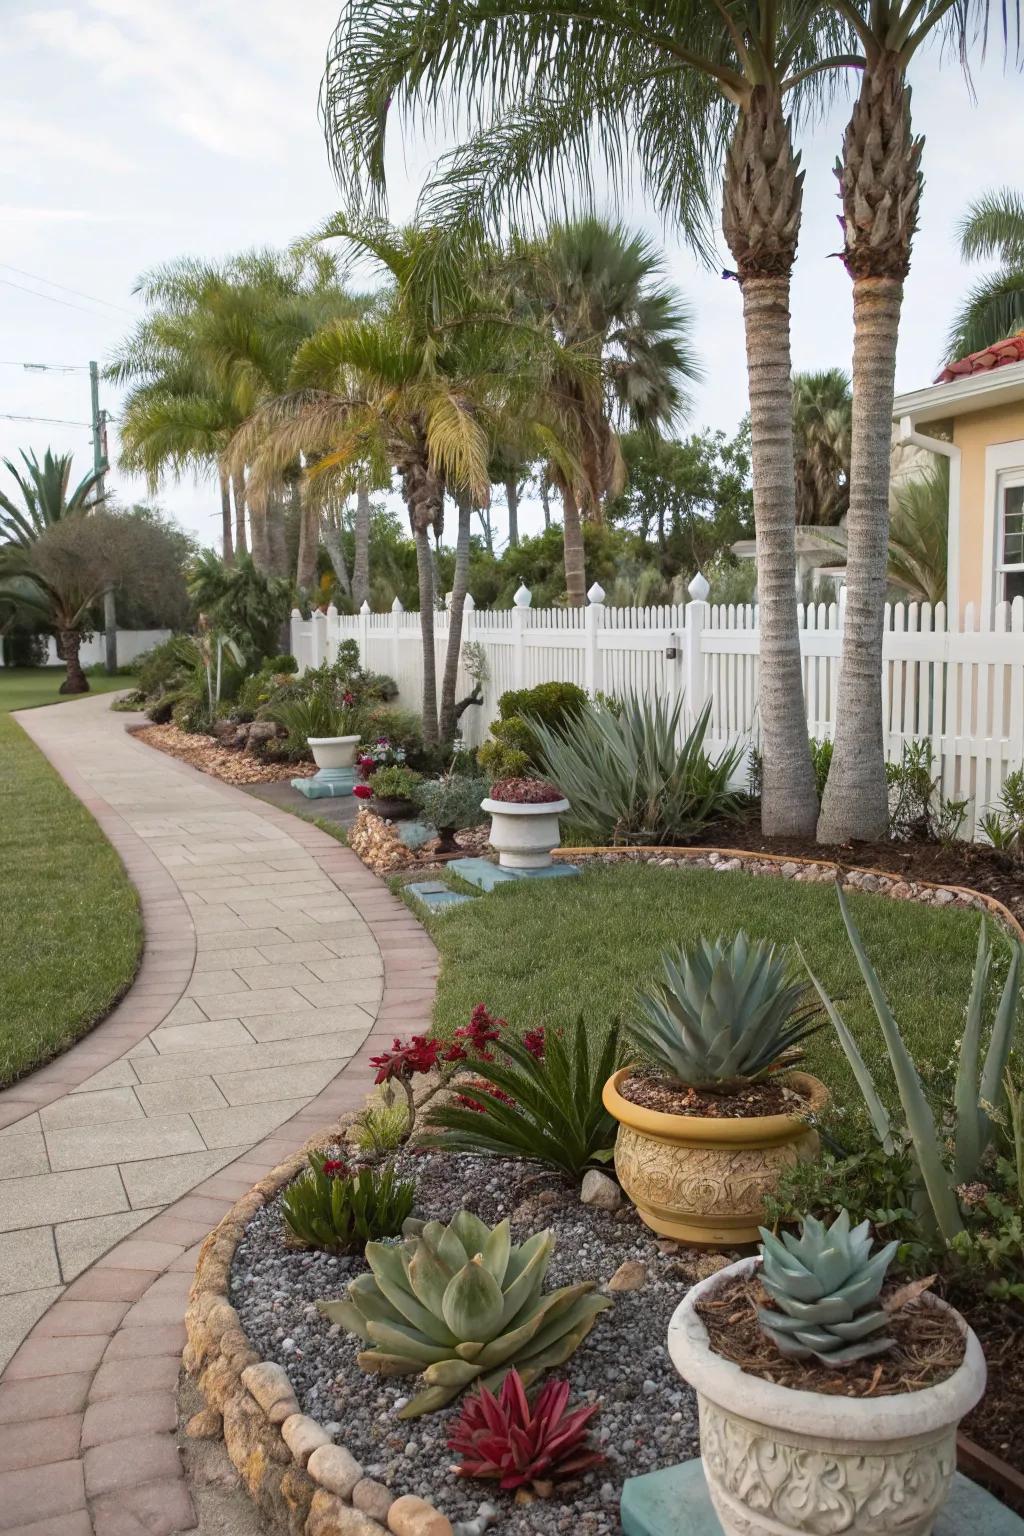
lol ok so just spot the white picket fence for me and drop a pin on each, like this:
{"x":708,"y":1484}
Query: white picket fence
{"x":131,"y":643}
{"x":962,"y":689}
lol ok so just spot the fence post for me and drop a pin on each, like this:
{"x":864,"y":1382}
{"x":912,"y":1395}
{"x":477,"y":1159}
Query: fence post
{"x":396,"y":637}
{"x":593,"y":660}
{"x":318,"y":637}
{"x":295,"y":639}
{"x":333,"y":634}
{"x":520,"y":603}
{"x":364,"y":633}
{"x":697,"y":611}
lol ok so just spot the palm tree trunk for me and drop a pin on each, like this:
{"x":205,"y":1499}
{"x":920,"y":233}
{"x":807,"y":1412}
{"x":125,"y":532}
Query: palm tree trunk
{"x":277,"y":542}
{"x":309,"y":536}
{"x":512,"y":501}
{"x":238,"y":487}
{"x":227,"y":547}
{"x":545,"y":499}
{"x":880,"y":180}
{"x":425,"y":572}
{"x":572,"y":538}
{"x":460,"y":582}
{"x":761,"y":221}
{"x":76,"y":680}
{"x":361,"y":562}
{"x":487,"y":524}
{"x":259,"y":526}
{"x":336,"y":555}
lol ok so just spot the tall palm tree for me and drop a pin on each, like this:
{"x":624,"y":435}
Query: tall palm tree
{"x":44,"y":497}
{"x":822,"y":409}
{"x":677,"y":93}
{"x":880,"y":182}
{"x":993,"y":227}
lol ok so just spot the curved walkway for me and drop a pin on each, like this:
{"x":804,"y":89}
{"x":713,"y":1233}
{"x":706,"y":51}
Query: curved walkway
{"x":275,"y":964}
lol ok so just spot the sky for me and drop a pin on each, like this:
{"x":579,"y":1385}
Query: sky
{"x":133,"y":132}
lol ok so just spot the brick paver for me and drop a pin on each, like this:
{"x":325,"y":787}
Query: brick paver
{"x":275,"y":964}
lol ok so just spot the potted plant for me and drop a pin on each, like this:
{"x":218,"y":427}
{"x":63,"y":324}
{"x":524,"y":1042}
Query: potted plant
{"x":394,"y":792}
{"x":333,"y":752}
{"x":817,"y":1412}
{"x":524,"y":821}
{"x":715,"y":1114}
{"x":450,"y":803}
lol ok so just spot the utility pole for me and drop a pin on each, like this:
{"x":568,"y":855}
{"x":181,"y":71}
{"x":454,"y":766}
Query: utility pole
{"x":100,"y":465}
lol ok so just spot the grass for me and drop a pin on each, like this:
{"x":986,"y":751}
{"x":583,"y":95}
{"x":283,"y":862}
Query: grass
{"x":71,"y":934}
{"x":538,"y":953}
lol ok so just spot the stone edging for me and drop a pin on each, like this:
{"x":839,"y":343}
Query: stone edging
{"x":879,"y":882}
{"x":290,"y":1465}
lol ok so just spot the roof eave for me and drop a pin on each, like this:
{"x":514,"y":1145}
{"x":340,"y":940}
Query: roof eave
{"x":958,"y":397}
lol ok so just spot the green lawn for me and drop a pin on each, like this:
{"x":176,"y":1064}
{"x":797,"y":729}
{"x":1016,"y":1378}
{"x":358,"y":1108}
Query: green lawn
{"x":539,"y":952}
{"x":70,"y":932}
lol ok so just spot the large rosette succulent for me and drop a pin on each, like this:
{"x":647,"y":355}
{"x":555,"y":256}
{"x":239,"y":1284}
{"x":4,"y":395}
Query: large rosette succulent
{"x":463,"y":1303}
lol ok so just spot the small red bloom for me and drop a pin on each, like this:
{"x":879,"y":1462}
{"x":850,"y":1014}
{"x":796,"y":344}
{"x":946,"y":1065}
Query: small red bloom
{"x":348,"y":698}
{"x":362,"y":791}
{"x":481,"y":1030}
{"x":488,"y":1088}
{"x":335,"y":1168}
{"x":533,"y":1041}
{"x":404,"y":1061}
{"x":455,"y":1053}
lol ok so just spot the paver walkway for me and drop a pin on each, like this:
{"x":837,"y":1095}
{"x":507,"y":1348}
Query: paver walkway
{"x":273,"y":959}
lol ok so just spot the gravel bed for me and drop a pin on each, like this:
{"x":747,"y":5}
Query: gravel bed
{"x":648,"y":1418}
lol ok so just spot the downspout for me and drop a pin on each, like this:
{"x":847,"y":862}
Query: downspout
{"x":908,"y":433}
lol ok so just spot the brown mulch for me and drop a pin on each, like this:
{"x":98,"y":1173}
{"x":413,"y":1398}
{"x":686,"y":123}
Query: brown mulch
{"x":928,"y":1348}
{"x":974,"y":865}
{"x":756,"y":1099}
{"x":378,"y":845}
{"x":207,"y":754}
{"x":997,"y":1424}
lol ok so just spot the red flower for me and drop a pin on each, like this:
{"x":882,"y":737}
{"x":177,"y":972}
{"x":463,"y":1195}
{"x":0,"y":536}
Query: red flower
{"x":335,"y":1168}
{"x":454,"y":1053}
{"x":481,"y":1030}
{"x":488,"y":1088}
{"x":518,"y":1442}
{"x":404,"y":1061}
{"x":362,"y":791}
{"x":348,"y":698}
{"x":533,"y":1041}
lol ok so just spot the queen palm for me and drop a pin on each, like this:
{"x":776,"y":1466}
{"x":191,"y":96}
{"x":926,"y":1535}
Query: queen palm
{"x":993,"y":227}
{"x":676,"y":93}
{"x":821,"y":433}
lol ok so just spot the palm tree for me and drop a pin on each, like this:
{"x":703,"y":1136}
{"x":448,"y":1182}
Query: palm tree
{"x":548,"y":87}
{"x":993,"y":227}
{"x":919,"y":536}
{"x":44,"y":497}
{"x":880,"y":183}
{"x":821,"y":433}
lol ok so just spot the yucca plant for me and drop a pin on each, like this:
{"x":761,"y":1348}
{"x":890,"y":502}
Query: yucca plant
{"x":974,"y":1098}
{"x":333,"y":1208}
{"x":627,"y":778}
{"x":826,"y":1284}
{"x":725,"y":1015}
{"x":551,"y":1110}
{"x":463,"y":1303}
{"x":519,"y":1443}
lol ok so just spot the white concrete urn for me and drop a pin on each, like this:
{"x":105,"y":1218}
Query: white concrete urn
{"x":524,"y":833}
{"x":779,"y":1462}
{"x":334,"y":751}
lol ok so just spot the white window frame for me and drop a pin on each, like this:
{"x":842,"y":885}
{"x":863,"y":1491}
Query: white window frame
{"x":1004,"y":463}
{"x":1010,"y":481}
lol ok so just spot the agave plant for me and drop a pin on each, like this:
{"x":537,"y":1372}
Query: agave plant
{"x":627,"y":778}
{"x":726,"y":1014}
{"x":974,"y":1099}
{"x":333,"y":1208}
{"x":463,"y":1303}
{"x":826,"y":1283}
{"x":518,"y":1443}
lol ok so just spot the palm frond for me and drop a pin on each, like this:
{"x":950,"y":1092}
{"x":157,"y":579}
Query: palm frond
{"x":993,"y":226}
{"x":993,"y":310}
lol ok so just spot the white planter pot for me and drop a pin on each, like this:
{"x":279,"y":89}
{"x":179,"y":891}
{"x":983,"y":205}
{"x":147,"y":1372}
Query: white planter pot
{"x":784,"y":1463}
{"x":524,"y":835}
{"x":334,"y":751}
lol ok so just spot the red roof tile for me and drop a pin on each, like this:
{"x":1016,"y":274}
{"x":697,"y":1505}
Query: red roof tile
{"x":997,"y":356}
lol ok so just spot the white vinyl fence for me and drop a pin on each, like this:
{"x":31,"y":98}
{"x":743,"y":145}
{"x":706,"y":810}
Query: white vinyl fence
{"x":131,"y":643}
{"x":962,"y":689}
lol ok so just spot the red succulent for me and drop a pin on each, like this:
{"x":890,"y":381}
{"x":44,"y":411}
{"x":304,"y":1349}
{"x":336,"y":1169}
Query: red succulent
{"x":404,"y":1061}
{"x":519,"y":1443}
{"x":525,"y":791}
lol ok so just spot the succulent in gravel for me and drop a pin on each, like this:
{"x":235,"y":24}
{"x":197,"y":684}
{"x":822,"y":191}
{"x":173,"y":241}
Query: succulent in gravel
{"x":826,"y":1283}
{"x":518,"y":1442}
{"x":726,"y":1014}
{"x":331,"y":1207}
{"x":462,"y":1303}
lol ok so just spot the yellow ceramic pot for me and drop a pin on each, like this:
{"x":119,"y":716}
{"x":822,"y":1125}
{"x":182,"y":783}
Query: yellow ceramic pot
{"x":704,"y":1181}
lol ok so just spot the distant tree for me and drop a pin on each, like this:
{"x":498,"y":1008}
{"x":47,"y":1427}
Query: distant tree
{"x":162,"y":603}
{"x":241,"y":601}
{"x":822,"y":426}
{"x":993,"y":228}
{"x":692,"y":496}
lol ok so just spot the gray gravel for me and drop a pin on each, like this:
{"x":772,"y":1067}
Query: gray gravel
{"x":648,"y":1417}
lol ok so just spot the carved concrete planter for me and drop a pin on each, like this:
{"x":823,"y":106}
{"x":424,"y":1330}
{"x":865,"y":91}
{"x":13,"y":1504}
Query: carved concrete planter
{"x":524,"y":835}
{"x":704,"y":1181}
{"x":334,"y":751}
{"x":784,"y":1463}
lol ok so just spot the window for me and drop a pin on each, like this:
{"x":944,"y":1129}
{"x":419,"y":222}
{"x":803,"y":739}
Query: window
{"x":1010,"y":567}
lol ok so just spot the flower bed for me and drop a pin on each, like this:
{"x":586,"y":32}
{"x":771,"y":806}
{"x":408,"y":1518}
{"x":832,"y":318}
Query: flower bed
{"x":208,"y":755}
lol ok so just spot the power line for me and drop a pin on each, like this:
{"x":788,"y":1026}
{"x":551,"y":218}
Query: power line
{"x":49,"y":297}
{"x":49,"y":283}
{"x":50,"y":421}
{"x":6,"y":362}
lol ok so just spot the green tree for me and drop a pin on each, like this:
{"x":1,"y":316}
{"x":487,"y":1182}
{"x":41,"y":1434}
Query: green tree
{"x":822,"y":421}
{"x":992,"y":228}
{"x":242,"y":602}
{"x":44,"y":498}
{"x":692,"y":496}
{"x":919,"y":536}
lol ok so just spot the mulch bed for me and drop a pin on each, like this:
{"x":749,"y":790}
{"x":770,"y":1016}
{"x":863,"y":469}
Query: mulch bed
{"x":997,"y":1424}
{"x":928,"y":1347}
{"x":207,"y":754}
{"x":378,"y":844}
{"x":757,"y":1099}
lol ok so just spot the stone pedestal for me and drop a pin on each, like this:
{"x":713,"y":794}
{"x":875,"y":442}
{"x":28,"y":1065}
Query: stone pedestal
{"x":327,"y":784}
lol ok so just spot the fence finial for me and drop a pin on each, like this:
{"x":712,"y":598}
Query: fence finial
{"x":699,"y":588}
{"x":364,"y":606}
{"x":332,"y":612}
{"x":297,"y":613}
{"x":397,"y":606}
{"x":523,"y":597}
{"x":596,"y":594}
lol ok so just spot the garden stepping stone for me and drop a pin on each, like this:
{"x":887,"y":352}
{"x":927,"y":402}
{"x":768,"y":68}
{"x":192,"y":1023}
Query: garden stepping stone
{"x":436,"y":896}
{"x":487,"y":876}
{"x":676,"y":1500}
{"x":413,"y":834}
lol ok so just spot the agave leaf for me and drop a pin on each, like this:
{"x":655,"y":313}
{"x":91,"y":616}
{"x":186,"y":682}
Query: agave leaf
{"x":968,"y":1111}
{"x":376,"y":1362}
{"x":865,"y":1082}
{"x":445,"y":1244}
{"x":451,"y":1373}
{"x":862,"y":1326}
{"x":528,"y":1267}
{"x":497,"y":1250}
{"x":854,"y":1352}
{"x":472,"y":1304}
{"x":428,"y":1402}
{"x":348,"y":1315}
{"x":403,"y":1342}
{"x":389,"y":1272}
{"x":471,"y":1232}
{"x":428,"y":1276}
{"x":997,"y":1056}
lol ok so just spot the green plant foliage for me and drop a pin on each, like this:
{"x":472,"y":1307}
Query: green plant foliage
{"x":380,"y":1127}
{"x":463,"y":1303}
{"x":628,"y":781}
{"x":342,"y":1210}
{"x":1004,"y":825}
{"x":555,"y":1117}
{"x":497,"y":760}
{"x":395,"y":783}
{"x":826,"y":1284}
{"x":280,"y":665}
{"x":549,"y":703}
{"x":453,"y":801}
{"x":726,"y":1014}
{"x":241,"y":601}
{"x":917,"y":806}
{"x":317,"y":714}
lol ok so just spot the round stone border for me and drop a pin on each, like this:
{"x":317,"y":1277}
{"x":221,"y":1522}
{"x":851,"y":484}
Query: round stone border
{"x":291,"y":1467}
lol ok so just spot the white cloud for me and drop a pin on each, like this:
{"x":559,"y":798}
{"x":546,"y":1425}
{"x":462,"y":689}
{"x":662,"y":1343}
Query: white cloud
{"x":12,"y":213}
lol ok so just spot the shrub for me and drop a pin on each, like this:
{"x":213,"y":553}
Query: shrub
{"x":513,"y":747}
{"x":499,"y":760}
{"x":161,"y":666}
{"x":1004,"y":825}
{"x":280,"y":665}
{"x":333,"y":1208}
{"x":395,"y":783}
{"x":452,"y":802}
{"x":525,"y":791}
{"x":917,"y":806}
{"x":629,"y":782}
{"x":400,"y":727}
{"x":380,"y":1127}
{"x":318,"y":714}
{"x":550,"y":703}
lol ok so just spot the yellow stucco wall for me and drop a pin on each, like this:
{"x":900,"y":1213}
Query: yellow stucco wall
{"x":973,"y":434}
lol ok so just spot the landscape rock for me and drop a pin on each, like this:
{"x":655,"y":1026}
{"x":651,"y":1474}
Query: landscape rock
{"x":303,"y":1436}
{"x":601,"y":1191}
{"x":334,"y":1469}
{"x":373,"y":1499}
{"x":630,"y":1276}
{"x":410,"y":1516}
{"x":329,"y":1516}
{"x":207,"y":1424}
{"x":261,"y":731}
{"x":270,"y":1386}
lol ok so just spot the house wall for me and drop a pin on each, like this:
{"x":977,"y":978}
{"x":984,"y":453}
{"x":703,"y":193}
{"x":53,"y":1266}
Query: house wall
{"x":975,"y":434}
